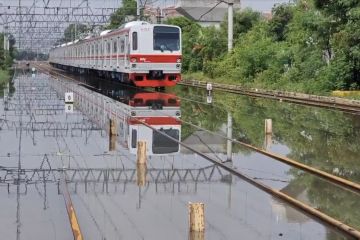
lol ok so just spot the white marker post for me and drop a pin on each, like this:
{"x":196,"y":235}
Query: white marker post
{"x":33,"y":70}
{"x":209,"y":93}
{"x":209,"y":99}
{"x":69,"y":102}
{"x":69,"y":108}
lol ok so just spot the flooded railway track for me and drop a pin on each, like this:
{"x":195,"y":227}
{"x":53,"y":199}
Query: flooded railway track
{"x":330,"y":177}
{"x":305,"y":208}
{"x":345,"y":105}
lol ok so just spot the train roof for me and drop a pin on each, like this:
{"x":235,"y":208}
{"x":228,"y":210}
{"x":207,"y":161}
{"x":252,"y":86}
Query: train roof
{"x":105,"y":32}
{"x":134,"y":23}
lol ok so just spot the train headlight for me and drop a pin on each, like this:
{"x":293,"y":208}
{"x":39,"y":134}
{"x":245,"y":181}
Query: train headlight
{"x":178,"y":60}
{"x":133,"y":113}
{"x":134,"y":60}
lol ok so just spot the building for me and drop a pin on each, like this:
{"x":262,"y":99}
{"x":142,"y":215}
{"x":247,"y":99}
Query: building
{"x":205,"y":12}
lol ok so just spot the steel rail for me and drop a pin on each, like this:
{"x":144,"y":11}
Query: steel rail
{"x":294,"y":202}
{"x":74,"y":223}
{"x":348,"y":230}
{"x":355,"y":187}
{"x":312,"y":100}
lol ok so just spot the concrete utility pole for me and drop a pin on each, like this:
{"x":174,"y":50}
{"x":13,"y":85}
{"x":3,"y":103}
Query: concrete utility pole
{"x":158,"y":15}
{"x":5,"y":42}
{"x":229,"y":136}
{"x":6,"y":45}
{"x":230,"y":24}
{"x":138,"y":5}
{"x":75,"y":32}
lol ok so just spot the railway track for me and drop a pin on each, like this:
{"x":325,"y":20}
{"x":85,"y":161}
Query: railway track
{"x":330,"y":177}
{"x":292,"y":201}
{"x":345,"y":105}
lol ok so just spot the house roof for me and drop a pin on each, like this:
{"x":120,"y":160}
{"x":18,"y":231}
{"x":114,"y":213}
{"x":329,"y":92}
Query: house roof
{"x":204,"y":10}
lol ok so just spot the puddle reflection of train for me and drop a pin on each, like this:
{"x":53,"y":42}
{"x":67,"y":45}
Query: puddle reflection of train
{"x":146,"y":116}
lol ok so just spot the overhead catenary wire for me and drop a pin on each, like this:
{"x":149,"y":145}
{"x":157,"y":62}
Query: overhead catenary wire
{"x":330,"y":177}
{"x":305,"y":208}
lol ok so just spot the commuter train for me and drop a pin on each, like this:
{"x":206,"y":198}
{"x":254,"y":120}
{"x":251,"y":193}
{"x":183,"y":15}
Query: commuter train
{"x":140,"y":53}
{"x":158,"y":110}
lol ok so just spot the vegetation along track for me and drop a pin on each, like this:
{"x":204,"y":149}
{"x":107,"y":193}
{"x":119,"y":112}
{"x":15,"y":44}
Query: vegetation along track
{"x":346,"y":105}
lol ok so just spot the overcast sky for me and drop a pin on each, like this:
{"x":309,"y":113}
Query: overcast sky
{"x":260,"y":5}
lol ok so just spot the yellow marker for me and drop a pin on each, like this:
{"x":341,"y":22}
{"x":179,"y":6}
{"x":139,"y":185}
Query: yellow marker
{"x":345,"y":93}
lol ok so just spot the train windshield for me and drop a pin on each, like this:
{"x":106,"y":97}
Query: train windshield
{"x":166,"y":38}
{"x":162,"y":144}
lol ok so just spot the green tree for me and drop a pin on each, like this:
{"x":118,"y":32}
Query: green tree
{"x":74,"y":31}
{"x":278,"y":24}
{"x":243,"y":22}
{"x":6,"y":57}
{"x":120,"y":16}
{"x":190,"y":44}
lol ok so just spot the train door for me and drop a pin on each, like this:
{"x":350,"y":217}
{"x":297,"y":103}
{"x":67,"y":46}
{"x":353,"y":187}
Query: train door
{"x":111,"y":50}
{"x":102,"y":53}
{"x":92,"y":54}
{"x":117,"y":42}
{"x":99,"y":54}
{"x":108,"y":53}
{"x":82,"y":55}
{"x":86,"y":54}
{"x":105,"y":53}
{"x":114,"y":53}
{"x":96,"y":53}
{"x":127,"y":52}
{"x":122,"y":52}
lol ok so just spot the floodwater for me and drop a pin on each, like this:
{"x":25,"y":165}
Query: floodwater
{"x":114,"y":198}
{"x":322,"y":138}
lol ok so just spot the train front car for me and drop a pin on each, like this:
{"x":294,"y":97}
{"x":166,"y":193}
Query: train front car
{"x":156,"y":120}
{"x":155,"y":55}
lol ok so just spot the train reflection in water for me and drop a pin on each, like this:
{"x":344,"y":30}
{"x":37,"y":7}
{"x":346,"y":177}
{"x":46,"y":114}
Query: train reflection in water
{"x":147,"y":116}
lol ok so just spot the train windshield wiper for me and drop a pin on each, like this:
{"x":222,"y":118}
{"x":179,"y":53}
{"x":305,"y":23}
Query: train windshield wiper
{"x":165,"y":47}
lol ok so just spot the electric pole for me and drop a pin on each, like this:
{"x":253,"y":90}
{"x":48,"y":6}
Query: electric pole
{"x":158,"y":15}
{"x":138,"y":5}
{"x":230,"y":24}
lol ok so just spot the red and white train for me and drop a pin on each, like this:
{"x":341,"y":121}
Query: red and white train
{"x":147,"y":55}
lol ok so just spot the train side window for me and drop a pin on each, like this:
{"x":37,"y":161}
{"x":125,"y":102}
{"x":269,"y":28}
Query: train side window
{"x":115,"y":46}
{"x":108,"y":48}
{"x":133,"y":138}
{"x":122,"y":45}
{"x":135,"y":40}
